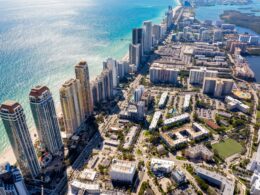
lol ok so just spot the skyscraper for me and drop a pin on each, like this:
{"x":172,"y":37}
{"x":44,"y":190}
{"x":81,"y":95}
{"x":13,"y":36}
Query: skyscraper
{"x":134,"y":55}
{"x":72,"y":105}
{"x":169,"y":17}
{"x":138,"y":38}
{"x":123,"y":69}
{"x":14,"y":121}
{"x":45,"y":118}
{"x":138,"y":93}
{"x":11,"y":181}
{"x":82,"y":74}
{"x":147,"y":28}
{"x":112,"y":65}
{"x":156,"y":33}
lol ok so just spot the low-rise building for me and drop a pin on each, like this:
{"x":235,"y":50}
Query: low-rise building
{"x":122,"y":171}
{"x":255,"y":183}
{"x":110,"y":142}
{"x":77,"y":186}
{"x":178,"y":176}
{"x":224,"y":114}
{"x":181,"y":118}
{"x":199,"y":152}
{"x":254,"y":166}
{"x":199,"y":131}
{"x":163,"y":100}
{"x":233,"y":103}
{"x":174,"y":140}
{"x":186,"y":103}
{"x":131,"y":137}
{"x":227,"y":187}
{"x":156,"y":117}
{"x":88,"y":174}
{"x":161,"y":166}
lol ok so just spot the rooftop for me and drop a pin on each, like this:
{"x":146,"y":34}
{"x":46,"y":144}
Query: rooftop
{"x":123,"y":166}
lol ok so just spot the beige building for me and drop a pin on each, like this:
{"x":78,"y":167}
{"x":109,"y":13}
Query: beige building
{"x":199,"y":151}
{"x":72,"y":104}
{"x":82,"y":74}
{"x":16,"y":128}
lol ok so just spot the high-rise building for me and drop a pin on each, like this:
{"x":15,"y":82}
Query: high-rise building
{"x":217,"y":36}
{"x":134,"y":54}
{"x":197,"y":75}
{"x":14,"y":121}
{"x":147,"y":28}
{"x":45,"y":118}
{"x":94,"y":91}
{"x":138,"y":38}
{"x":82,"y":74}
{"x":163,"y":29}
{"x":138,"y":93}
{"x":163,"y":73}
{"x":141,"y":109}
{"x":217,"y":87}
{"x":71,"y":99}
{"x":122,"y":69}
{"x":169,"y":17}
{"x":156,"y":33}
{"x":112,"y":65}
{"x":205,"y":36}
{"x":11,"y":181}
{"x":102,"y":87}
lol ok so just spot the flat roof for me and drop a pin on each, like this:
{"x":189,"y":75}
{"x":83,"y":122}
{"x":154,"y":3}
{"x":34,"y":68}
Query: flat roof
{"x":155,"y":119}
{"x":177,"y":118}
{"x":123,"y":166}
{"x":228,"y":185}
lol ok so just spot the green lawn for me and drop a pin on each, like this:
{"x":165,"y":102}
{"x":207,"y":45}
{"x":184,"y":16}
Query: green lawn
{"x":227,"y":148}
{"x":258,"y":114}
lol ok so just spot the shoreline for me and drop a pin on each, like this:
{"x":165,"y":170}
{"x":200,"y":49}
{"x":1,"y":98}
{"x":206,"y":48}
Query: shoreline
{"x":8,"y":155}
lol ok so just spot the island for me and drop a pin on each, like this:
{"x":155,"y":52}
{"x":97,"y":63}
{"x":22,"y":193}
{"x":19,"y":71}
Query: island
{"x":245,"y":20}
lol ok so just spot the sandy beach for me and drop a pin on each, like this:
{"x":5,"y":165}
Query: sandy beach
{"x":8,"y":154}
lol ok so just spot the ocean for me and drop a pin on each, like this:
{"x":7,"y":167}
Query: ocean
{"x":42,"y":40}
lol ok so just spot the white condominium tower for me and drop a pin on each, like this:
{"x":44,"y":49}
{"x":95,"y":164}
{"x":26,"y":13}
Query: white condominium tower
{"x":217,"y":87}
{"x":147,"y":29}
{"x":14,"y":121}
{"x":72,"y":105}
{"x":197,"y":75}
{"x":134,"y":54}
{"x":163,"y":73}
{"x":169,"y":17}
{"x":111,"y":64}
{"x":82,"y":74}
{"x":45,"y":118}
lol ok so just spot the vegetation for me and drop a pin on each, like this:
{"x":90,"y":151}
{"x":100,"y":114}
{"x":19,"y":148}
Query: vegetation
{"x":227,"y":147}
{"x":242,"y":19}
{"x":145,"y":185}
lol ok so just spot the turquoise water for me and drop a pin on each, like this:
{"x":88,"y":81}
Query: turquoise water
{"x":41,"y":40}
